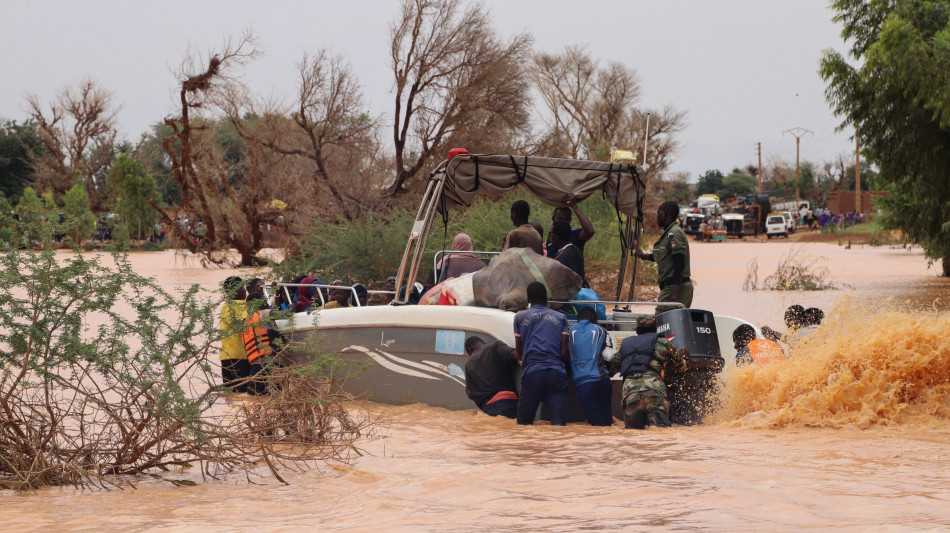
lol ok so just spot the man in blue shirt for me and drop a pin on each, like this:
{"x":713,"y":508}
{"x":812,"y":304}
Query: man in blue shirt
{"x":591,"y":348}
{"x":541,"y":346}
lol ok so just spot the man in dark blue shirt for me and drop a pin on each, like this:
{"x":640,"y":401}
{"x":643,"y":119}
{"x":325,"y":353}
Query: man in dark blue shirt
{"x":541,"y":346}
{"x":579,"y":236}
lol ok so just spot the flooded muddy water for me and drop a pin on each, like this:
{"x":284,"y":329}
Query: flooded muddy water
{"x":852,"y":434}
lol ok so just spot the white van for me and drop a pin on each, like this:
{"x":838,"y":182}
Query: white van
{"x":775,"y":225}
{"x":790,"y":224}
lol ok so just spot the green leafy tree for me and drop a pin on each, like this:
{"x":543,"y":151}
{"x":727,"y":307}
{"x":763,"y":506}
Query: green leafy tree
{"x":131,"y":187}
{"x":736,"y":184}
{"x":17,"y":142}
{"x":32,"y":211}
{"x":76,"y":207}
{"x":898,"y":100}
{"x":709,"y":182}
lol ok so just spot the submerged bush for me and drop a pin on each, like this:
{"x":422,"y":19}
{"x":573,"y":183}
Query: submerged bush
{"x":106,"y":374}
{"x":796,"y":272}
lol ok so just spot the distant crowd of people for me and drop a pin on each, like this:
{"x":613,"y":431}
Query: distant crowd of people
{"x":819,"y":218}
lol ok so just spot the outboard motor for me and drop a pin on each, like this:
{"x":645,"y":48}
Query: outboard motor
{"x":692,"y":394}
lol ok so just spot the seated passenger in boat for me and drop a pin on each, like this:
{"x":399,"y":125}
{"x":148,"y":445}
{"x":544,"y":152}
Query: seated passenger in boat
{"x":455,"y":265}
{"x":490,"y":377}
{"x":362,"y":296}
{"x":338,"y":297}
{"x":304,"y":295}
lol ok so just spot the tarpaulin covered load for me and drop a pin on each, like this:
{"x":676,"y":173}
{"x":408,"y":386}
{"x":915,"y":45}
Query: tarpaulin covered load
{"x":504,"y":282}
{"x":548,"y":178}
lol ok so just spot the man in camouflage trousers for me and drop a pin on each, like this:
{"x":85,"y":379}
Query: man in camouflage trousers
{"x":644,"y":360}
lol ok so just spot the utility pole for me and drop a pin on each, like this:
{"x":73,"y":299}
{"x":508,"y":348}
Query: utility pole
{"x":798,"y":133}
{"x":857,"y":173}
{"x":759,"y":174}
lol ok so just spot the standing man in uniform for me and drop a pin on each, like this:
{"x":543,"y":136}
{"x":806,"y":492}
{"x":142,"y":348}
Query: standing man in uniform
{"x":671,"y":254}
{"x":541,"y":345}
{"x":644,"y":361}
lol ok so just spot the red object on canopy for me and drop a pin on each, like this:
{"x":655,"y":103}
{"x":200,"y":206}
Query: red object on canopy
{"x":456,"y":151}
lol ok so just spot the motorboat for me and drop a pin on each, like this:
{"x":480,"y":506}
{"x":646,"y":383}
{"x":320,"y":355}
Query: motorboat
{"x":401,"y":354}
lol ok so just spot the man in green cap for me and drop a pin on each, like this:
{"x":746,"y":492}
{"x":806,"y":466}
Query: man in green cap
{"x":645,"y":360}
{"x":671,"y":254}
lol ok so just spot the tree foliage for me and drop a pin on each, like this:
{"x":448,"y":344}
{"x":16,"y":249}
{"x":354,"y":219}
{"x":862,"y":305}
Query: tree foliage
{"x":326,"y":129}
{"x":455,"y":81}
{"x":17,"y":143}
{"x":131,"y":190}
{"x":709,"y":182}
{"x":78,"y":134}
{"x":228,"y":187}
{"x":736,"y":184}
{"x":592,"y":110}
{"x":76,"y":207}
{"x":898,"y":100}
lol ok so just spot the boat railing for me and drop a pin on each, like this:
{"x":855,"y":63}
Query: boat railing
{"x":447,"y":253}
{"x":284,"y":287}
{"x":618,"y":305}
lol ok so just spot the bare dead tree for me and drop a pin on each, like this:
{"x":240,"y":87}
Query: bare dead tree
{"x":778,"y":174}
{"x":448,"y":67}
{"x":591,"y":110}
{"x":79,"y":134}
{"x":226,"y":199}
{"x":327,"y":126}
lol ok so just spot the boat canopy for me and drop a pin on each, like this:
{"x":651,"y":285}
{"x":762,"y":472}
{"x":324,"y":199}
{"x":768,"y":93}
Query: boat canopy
{"x":547,"y":178}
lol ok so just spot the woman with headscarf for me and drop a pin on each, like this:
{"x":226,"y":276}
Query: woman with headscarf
{"x":456,"y":264}
{"x":303,"y":295}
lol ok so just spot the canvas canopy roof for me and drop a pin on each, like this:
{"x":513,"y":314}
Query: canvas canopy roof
{"x":547,"y":178}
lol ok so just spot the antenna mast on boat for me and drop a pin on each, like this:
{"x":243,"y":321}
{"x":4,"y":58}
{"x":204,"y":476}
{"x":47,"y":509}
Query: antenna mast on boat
{"x":635,"y":237}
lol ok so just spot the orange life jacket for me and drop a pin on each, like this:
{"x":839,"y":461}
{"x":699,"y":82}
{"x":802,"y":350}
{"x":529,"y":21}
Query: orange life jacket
{"x":762,"y":351}
{"x":256,"y":342}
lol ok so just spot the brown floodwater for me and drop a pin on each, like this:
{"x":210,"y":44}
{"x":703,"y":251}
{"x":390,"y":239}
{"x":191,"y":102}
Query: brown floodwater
{"x":852,"y":433}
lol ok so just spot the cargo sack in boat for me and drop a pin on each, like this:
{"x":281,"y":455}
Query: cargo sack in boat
{"x":431,"y":296}
{"x":459,"y":289}
{"x":503,"y":282}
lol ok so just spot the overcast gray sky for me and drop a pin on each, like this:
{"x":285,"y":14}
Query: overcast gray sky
{"x":744,"y":70}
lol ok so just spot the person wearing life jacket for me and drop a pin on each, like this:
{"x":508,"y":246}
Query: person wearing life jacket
{"x":257,"y":343}
{"x":749,"y":349}
{"x":643,"y":361}
{"x":590,"y":347}
{"x":234,"y":365}
{"x":765,"y":351}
